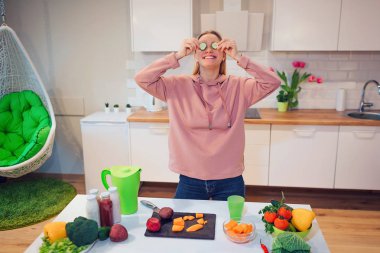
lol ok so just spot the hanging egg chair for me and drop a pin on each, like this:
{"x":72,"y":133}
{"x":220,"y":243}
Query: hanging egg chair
{"x":27,"y":123}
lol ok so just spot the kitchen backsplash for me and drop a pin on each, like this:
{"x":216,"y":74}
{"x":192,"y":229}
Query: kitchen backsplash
{"x":347,"y":70}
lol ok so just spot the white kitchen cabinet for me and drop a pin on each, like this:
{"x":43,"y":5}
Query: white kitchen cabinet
{"x":303,"y":156}
{"x":150,"y":151}
{"x":256,"y":154}
{"x":105,"y":139}
{"x":302,"y":25}
{"x":160,"y":25}
{"x":360,"y":25}
{"x":326,"y":25}
{"x":358,"y":159}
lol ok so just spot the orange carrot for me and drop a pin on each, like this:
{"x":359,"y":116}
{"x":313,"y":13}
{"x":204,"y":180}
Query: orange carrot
{"x":238,"y":229}
{"x":201,"y":221}
{"x":230,"y":225}
{"x":199,"y":215}
{"x":245,"y":227}
{"x":250,"y":228}
{"x":177,"y":228}
{"x":194,"y":228}
{"x":179,"y":221}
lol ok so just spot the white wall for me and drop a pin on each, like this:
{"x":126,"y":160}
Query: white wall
{"x":81,"y":49}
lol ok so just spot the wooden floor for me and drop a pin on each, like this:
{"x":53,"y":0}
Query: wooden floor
{"x":350,"y":220}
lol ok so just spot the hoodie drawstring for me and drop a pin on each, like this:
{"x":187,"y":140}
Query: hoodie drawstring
{"x":206,"y":104}
{"x":224,"y":105}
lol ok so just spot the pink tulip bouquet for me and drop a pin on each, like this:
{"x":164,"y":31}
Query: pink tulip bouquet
{"x":291,"y":87}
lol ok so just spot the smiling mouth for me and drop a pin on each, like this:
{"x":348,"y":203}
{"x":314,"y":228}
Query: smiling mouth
{"x":209,"y":57}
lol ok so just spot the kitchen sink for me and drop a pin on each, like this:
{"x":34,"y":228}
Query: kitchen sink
{"x":364,"y":115}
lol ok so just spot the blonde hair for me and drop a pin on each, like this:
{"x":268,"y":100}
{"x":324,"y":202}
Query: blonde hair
{"x":222,"y":68}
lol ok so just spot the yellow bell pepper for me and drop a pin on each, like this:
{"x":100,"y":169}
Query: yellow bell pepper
{"x":302,"y":218}
{"x":54,"y":231}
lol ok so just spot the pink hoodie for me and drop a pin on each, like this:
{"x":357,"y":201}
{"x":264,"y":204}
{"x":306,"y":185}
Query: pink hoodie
{"x":206,"y":136}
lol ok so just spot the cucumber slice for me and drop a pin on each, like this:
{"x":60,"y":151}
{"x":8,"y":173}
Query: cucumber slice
{"x":202,"y":46}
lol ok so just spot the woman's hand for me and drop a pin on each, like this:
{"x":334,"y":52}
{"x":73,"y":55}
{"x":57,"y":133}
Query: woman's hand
{"x":230,"y":48}
{"x":188,"y":46}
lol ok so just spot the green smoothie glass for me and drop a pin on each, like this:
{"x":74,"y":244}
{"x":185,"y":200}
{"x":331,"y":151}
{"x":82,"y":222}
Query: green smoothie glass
{"x":235,"y":206}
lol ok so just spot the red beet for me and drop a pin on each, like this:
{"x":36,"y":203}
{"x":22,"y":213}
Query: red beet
{"x":118,"y":233}
{"x":166,"y":213}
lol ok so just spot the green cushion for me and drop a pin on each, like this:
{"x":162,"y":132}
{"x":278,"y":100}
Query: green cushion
{"x":24,"y":127}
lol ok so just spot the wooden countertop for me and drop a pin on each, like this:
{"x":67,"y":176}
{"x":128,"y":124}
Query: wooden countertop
{"x":272,"y":116}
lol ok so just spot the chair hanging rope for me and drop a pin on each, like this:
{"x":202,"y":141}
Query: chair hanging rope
{"x":2,"y":11}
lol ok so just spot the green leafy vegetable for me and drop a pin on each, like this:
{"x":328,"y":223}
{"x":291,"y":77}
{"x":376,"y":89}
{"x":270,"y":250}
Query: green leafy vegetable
{"x":60,"y":246}
{"x":289,"y":242}
{"x":104,"y":233}
{"x":82,"y":231}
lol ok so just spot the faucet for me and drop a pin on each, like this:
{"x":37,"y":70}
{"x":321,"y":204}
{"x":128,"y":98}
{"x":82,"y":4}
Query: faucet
{"x":363,"y":104}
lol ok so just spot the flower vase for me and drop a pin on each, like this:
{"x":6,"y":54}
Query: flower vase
{"x":282,"y":106}
{"x":293,"y":102}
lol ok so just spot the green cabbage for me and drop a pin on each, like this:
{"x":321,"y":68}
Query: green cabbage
{"x":288,"y":242}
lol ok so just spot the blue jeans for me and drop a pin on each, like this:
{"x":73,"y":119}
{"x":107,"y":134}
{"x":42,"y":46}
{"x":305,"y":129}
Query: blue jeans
{"x":192,"y":188}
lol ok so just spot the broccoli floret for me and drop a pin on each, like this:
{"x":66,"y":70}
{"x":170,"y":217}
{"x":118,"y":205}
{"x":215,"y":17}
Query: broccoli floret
{"x":104,"y":233}
{"x":82,"y":231}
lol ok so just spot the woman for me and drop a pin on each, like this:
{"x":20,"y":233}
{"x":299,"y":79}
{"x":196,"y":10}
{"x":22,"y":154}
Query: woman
{"x":206,"y":112}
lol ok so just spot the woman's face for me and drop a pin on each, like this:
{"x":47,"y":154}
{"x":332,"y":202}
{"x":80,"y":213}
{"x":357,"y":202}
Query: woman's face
{"x":209,"y":58}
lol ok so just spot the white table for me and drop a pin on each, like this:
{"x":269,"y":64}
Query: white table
{"x":137,"y":242}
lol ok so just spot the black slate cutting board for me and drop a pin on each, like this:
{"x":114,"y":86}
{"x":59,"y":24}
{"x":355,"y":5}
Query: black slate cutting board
{"x":207,"y":232}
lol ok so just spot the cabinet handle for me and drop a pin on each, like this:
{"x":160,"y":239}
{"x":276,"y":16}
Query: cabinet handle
{"x":304,"y":132}
{"x":159,"y":129}
{"x":364,"y":134}
{"x":104,"y":124}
